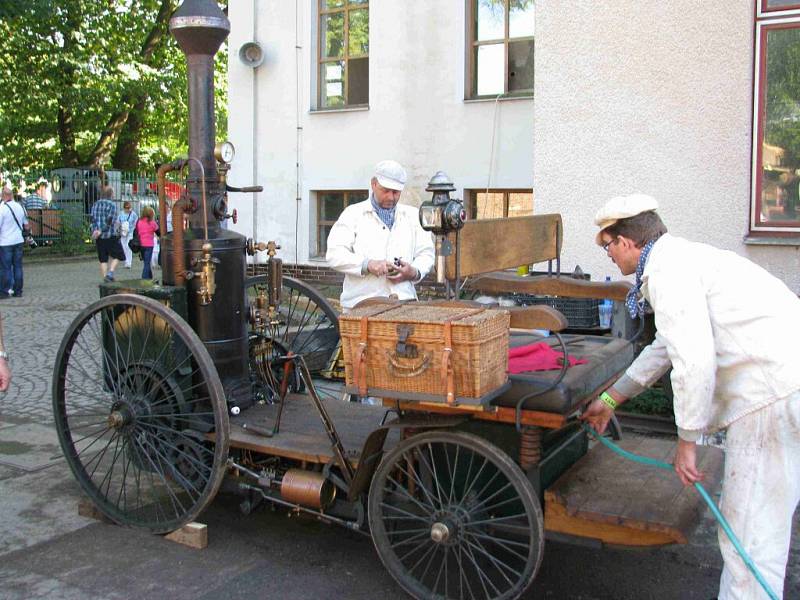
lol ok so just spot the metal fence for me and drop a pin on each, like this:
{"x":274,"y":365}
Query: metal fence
{"x":71,"y":192}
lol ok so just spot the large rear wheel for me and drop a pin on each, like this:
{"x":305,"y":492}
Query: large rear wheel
{"x":140,"y":413}
{"x":452,"y":516}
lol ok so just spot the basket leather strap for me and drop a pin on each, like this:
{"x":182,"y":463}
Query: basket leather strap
{"x":360,"y":366}
{"x":448,"y":373}
{"x":360,"y":359}
{"x":448,"y":377}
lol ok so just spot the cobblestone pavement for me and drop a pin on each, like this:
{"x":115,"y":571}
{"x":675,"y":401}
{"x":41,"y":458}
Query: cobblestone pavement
{"x":40,"y":529}
{"x":34,"y":324}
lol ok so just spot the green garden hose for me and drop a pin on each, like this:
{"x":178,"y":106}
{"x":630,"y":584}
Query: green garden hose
{"x":645,"y":460}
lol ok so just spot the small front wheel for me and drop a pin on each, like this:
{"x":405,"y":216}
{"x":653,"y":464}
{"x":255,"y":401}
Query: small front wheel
{"x":452,"y":516}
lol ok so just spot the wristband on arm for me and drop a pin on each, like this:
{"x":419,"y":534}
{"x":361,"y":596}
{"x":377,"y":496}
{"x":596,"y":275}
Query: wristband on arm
{"x":606,"y":399}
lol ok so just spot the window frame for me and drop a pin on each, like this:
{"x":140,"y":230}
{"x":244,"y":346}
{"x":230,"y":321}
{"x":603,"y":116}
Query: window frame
{"x":471,"y":62}
{"x":763,"y":10}
{"x":756,"y":226}
{"x":472,"y":199}
{"x":322,"y":242}
{"x":346,"y":8}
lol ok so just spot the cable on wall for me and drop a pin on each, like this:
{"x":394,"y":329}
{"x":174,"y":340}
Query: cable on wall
{"x":491,"y":148}
{"x":255,"y":131}
{"x":298,"y":49}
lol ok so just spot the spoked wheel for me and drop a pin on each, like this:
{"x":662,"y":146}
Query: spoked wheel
{"x":136,"y":397}
{"x":454,"y":517}
{"x":308,"y":325}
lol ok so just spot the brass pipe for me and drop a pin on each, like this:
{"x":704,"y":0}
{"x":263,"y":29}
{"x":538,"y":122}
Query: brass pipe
{"x":203,"y":193}
{"x":178,"y":266}
{"x":161,"y":179}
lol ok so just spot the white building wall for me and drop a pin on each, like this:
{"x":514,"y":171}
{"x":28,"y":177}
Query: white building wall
{"x":653,"y":97}
{"x":630,"y":96}
{"x":417,"y":115}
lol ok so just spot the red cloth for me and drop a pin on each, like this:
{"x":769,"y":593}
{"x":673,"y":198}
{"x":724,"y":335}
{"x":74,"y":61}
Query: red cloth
{"x":537,"y":357}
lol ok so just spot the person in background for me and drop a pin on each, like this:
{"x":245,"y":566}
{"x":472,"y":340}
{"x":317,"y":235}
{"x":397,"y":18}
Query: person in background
{"x":147,"y":226}
{"x":13,"y":224}
{"x":38,"y":200}
{"x":106,"y":235}
{"x":368,"y":237}
{"x":127,"y":224}
{"x":729,"y":330}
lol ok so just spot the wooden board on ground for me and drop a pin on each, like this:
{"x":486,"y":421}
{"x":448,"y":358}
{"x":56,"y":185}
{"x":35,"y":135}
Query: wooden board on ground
{"x":609,"y":498}
{"x":193,"y":535}
{"x":302,"y":435}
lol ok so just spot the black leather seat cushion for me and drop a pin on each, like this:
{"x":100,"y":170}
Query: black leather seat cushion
{"x":607,"y":358}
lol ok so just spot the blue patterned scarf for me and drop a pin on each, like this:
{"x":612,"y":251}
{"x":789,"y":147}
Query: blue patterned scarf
{"x":386,"y":215}
{"x":636,"y":308}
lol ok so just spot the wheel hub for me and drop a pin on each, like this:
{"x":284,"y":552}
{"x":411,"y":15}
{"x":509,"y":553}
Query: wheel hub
{"x":118,"y":419}
{"x":440,"y":533}
{"x":448,"y":525}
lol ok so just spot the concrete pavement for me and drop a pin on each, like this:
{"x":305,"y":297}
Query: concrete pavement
{"x":48,"y":551}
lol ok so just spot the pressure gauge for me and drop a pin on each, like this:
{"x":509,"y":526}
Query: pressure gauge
{"x":224,"y":152}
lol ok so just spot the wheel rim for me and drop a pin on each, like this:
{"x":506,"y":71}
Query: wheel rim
{"x":135,"y":397}
{"x":453,"y":517}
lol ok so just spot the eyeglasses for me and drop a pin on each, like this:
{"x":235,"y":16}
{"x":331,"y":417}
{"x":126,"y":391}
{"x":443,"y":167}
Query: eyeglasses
{"x":607,"y":244}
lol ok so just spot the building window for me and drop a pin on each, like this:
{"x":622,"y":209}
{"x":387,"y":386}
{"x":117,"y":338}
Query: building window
{"x":497,"y":204}
{"x":500,"y":34}
{"x":329,"y":206}
{"x":774,"y":7}
{"x":775,"y":202}
{"x":343,"y":53}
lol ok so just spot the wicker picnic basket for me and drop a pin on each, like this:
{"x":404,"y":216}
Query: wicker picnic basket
{"x":425,"y":352}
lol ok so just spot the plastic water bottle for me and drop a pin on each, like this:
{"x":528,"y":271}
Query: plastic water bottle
{"x":605,"y":309}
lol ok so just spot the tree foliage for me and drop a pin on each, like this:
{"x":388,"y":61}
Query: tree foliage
{"x":81,"y":75}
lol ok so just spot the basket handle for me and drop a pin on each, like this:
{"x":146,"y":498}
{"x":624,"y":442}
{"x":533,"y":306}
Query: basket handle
{"x":399,"y":369}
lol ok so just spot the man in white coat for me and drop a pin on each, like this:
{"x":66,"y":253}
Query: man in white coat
{"x":730,"y":332}
{"x":379,"y":244}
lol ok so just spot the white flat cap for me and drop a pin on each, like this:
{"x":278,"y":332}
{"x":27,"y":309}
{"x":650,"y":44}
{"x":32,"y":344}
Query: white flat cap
{"x":622,"y":207}
{"x":390,"y":175}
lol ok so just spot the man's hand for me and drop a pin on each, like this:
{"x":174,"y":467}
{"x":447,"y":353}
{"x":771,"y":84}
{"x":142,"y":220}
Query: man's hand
{"x":5,"y":375}
{"x":598,"y":415}
{"x":95,"y":234}
{"x":379,"y":268}
{"x":405,"y":272}
{"x":685,"y":463}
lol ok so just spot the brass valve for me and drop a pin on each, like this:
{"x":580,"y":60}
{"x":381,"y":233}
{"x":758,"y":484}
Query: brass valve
{"x":208,"y":285}
{"x":253,"y":247}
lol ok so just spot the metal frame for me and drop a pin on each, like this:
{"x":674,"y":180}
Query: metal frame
{"x":470,"y":84}
{"x":788,"y":228}
{"x":763,"y":9}
{"x":346,"y":7}
{"x":321,"y":245}
{"x":472,"y":199}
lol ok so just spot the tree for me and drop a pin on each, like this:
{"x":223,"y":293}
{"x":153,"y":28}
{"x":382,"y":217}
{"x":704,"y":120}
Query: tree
{"x":92,"y":82}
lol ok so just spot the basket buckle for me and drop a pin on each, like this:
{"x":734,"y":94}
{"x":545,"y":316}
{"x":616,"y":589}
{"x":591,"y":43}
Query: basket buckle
{"x":403,"y":349}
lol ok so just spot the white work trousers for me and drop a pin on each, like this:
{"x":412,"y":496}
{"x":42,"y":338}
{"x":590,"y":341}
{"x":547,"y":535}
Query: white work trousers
{"x":126,"y":249}
{"x":760,"y":493}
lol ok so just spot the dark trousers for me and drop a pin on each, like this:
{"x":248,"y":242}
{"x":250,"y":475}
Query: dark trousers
{"x":147,"y":255}
{"x":11,"y":269}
